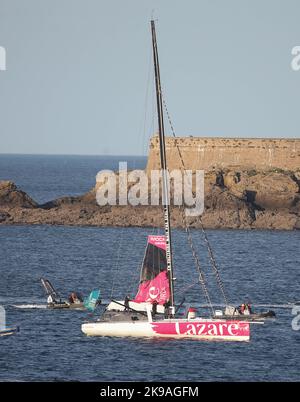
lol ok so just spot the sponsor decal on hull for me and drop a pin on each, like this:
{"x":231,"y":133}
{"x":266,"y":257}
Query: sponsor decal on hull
{"x":200,"y":328}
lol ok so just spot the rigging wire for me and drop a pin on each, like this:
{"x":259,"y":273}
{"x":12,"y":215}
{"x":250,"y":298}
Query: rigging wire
{"x":117,"y":265}
{"x":214,"y":264}
{"x":183,"y":291}
{"x":135,"y":273}
{"x":195,"y":255}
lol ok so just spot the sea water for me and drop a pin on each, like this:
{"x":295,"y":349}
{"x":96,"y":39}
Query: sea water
{"x":261,"y":267}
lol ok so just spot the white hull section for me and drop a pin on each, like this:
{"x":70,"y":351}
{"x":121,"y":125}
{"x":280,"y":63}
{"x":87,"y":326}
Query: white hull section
{"x":120,"y":306}
{"x":194,"y":329}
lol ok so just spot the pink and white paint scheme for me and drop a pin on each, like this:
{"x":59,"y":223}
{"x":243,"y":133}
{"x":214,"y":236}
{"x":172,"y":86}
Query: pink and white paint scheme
{"x":157,"y":290}
{"x":198,"y":329}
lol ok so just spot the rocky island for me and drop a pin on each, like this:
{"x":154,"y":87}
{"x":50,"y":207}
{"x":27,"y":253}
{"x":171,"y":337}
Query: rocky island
{"x":249,"y":184}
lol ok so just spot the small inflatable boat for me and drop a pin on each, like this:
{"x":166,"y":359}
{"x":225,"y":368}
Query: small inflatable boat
{"x":54,"y":301}
{"x":64,"y":304}
{"x":243,"y":313}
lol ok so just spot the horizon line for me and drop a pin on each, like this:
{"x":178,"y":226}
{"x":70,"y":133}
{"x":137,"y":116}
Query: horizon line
{"x":62,"y":154}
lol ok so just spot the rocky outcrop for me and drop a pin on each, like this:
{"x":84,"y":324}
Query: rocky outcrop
{"x":12,"y":197}
{"x":235,"y":199}
{"x":268,"y":190}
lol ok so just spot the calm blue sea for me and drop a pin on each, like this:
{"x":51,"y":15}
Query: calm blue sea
{"x":258,"y":266}
{"x":46,"y":177}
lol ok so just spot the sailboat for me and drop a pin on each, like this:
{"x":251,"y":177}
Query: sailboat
{"x":153,"y":313}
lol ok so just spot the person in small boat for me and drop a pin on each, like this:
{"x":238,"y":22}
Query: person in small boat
{"x":74,"y":298}
{"x":241,"y":308}
{"x":245,"y":309}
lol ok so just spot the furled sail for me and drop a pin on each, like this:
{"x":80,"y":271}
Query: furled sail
{"x":154,"y":283}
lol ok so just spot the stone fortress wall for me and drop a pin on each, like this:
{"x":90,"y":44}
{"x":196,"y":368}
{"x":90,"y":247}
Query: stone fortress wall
{"x":210,"y":153}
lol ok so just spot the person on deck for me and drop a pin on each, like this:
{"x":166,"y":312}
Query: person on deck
{"x":154,"y":308}
{"x":51,"y":300}
{"x":73,"y":298}
{"x":126,"y":303}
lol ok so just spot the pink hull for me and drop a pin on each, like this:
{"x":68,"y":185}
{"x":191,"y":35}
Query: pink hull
{"x":193,"y":329}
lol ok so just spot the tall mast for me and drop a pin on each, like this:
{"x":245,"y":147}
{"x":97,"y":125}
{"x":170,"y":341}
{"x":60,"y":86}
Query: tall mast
{"x":163,"y":162}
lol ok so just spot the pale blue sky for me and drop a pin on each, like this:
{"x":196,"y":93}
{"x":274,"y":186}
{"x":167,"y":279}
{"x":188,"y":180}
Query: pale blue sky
{"x":77,"y":72}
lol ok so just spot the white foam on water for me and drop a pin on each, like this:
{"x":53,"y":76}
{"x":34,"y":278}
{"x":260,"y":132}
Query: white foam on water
{"x":287,"y":305}
{"x":30,"y":306}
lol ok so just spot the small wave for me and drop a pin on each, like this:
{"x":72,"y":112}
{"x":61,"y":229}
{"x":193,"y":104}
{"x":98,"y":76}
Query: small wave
{"x":284,"y":305}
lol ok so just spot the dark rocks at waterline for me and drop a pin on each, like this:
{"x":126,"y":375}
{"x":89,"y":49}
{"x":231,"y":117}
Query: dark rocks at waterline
{"x":241,"y":200}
